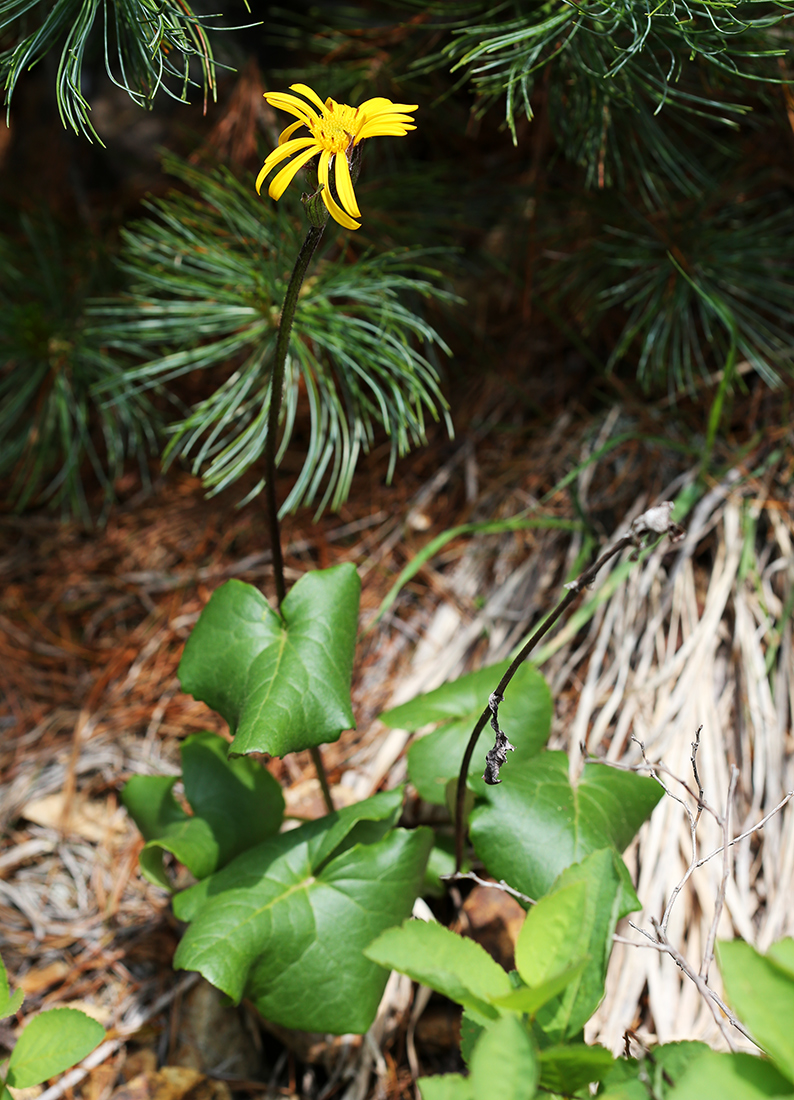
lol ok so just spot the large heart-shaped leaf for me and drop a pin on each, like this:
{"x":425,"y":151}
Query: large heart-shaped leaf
{"x":51,"y":1043}
{"x":762,"y":992}
{"x":451,"y":964}
{"x":535,"y":824}
{"x":282,"y":682}
{"x":435,"y":758}
{"x":236,"y":804}
{"x":285,"y":923}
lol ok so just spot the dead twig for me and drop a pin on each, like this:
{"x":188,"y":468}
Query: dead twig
{"x":708,"y":954}
{"x":693,"y":758}
{"x":458,"y":876}
{"x":715,"y":1003}
{"x":750,"y":831}
{"x":659,"y":939}
{"x":663,"y":944}
{"x":654,"y":522}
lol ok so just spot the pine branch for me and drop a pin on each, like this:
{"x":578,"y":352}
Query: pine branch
{"x":148,"y":46}
{"x":207,"y":280}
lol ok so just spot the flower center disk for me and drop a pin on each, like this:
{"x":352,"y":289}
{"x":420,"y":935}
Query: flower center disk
{"x":337,"y":128}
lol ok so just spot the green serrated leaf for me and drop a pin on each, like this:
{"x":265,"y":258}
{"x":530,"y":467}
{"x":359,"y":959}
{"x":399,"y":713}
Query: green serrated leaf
{"x":446,"y":1086}
{"x":782,"y":955}
{"x":451,"y":964}
{"x":435,"y":758}
{"x":281,"y":682}
{"x":13,"y":1004}
{"x":531,"y":998}
{"x":738,"y":1076}
{"x":588,"y":933}
{"x":284,"y":923}
{"x":548,"y":940}
{"x":9,"y":1004}
{"x":762,"y":995}
{"x":471,"y":1026}
{"x":657,"y":1073}
{"x":236,"y":804}
{"x":504,"y":1063}
{"x":52,"y":1042}
{"x":566,"y":1069}
{"x":550,"y":825}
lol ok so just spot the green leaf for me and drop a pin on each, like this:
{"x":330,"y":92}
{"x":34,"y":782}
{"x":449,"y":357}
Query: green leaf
{"x":550,"y":825}
{"x":656,"y":1074}
{"x":737,"y":1076}
{"x":52,"y":1042}
{"x":9,"y":1005}
{"x":284,"y":923}
{"x":446,"y":1086}
{"x":441,"y":862}
{"x":281,"y":682}
{"x":529,"y":999}
{"x":763,"y":996}
{"x":549,"y":936}
{"x":568,"y":1068}
{"x":236,"y":804}
{"x":504,"y":1063}
{"x":782,"y":955}
{"x":451,"y":964}
{"x":575,"y":921}
{"x":471,"y":1027}
{"x":435,"y":758}
{"x":666,"y":1064}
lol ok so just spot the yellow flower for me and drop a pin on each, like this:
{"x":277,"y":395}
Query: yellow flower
{"x":336,"y":130}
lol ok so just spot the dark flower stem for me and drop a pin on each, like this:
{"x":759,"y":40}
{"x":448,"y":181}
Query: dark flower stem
{"x":582,"y":581}
{"x":308,"y":248}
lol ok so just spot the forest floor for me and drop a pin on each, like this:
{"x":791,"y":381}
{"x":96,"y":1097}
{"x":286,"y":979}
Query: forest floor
{"x":93,"y":622}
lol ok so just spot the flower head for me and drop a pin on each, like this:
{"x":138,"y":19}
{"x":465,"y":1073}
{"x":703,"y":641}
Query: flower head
{"x":336,"y":130}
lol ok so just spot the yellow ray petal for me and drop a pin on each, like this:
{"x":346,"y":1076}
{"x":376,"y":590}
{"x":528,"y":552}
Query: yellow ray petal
{"x":381,"y":106}
{"x":279,"y":182}
{"x":344,"y":185}
{"x":378,"y":129}
{"x":295,"y":106}
{"x":334,"y":209}
{"x":389,"y":116}
{"x":304,"y":89}
{"x":382,"y":125}
{"x":281,"y":153}
{"x":285,"y":135}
